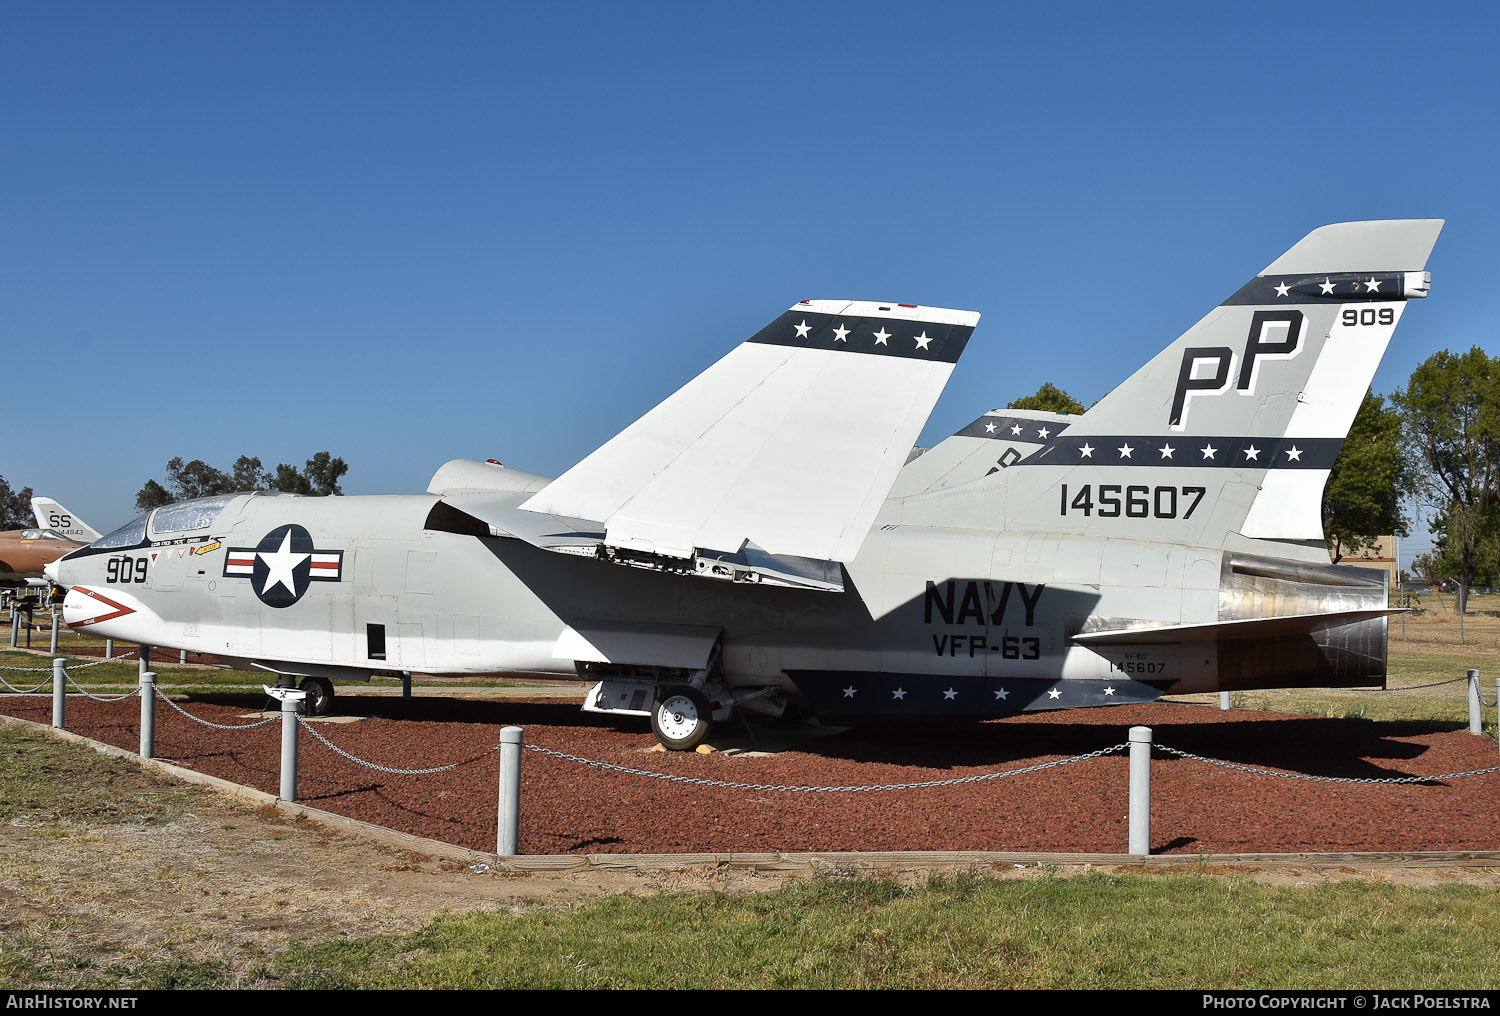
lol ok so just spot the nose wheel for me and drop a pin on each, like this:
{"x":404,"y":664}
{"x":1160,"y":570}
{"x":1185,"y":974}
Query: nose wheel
{"x":681,"y":718}
{"x":319,"y":696}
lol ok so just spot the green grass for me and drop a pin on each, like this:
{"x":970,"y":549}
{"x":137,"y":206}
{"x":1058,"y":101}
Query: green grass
{"x":1089,"y":931}
{"x":1445,"y":707}
{"x":43,"y":782}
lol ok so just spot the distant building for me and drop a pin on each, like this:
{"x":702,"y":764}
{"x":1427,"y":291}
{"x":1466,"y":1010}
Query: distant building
{"x":1383,"y":555}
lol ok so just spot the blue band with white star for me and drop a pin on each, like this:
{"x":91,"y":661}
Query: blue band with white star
{"x":911,"y":340}
{"x":1266,"y":290}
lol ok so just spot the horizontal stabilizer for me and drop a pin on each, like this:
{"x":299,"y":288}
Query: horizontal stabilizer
{"x":1220,"y":631}
{"x":790,"y":442}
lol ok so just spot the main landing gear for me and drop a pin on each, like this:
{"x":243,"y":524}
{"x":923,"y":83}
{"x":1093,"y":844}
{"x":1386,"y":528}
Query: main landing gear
{"x":681,"y":717}
{"x":319,"y":696}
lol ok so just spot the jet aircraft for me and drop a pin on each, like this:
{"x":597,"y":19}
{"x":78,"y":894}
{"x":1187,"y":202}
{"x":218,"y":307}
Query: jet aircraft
{"x":762,"y":536}
{"x":24,"y":553}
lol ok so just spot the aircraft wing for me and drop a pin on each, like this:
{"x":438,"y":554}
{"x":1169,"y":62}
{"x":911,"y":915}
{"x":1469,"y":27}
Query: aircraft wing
{"x":501,"y":514}
{"x":1240,"y":628}
{"x":787,"y":446}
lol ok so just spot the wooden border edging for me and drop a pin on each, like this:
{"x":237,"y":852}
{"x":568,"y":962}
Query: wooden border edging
{"x":809,"y":862}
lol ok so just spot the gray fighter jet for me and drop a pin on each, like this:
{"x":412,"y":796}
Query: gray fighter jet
{"x":764,"y":537}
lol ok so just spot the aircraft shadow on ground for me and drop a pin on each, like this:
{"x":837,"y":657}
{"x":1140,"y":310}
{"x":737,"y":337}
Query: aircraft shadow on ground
{"x":1315,"y":746}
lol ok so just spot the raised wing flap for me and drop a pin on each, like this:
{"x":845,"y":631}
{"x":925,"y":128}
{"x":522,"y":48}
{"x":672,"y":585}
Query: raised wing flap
{"x":791,"y":442}
{"x":498,"y":514}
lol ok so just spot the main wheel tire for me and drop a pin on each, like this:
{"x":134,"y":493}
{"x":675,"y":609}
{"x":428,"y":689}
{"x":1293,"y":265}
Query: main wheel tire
{"x":681,"y":718}
{"x":319,"y":696}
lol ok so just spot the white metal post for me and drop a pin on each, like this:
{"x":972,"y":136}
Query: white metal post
{"x":109,"y":648}
{"x":59,"y":693}
{"x":53,"y":650}
{"x":1224,"y":701}
{"x":1140,"y":790}
{"x":508,"y":832}
{"x":1475,"y":725}
{"x":148,"y":715}
{"x":145,"y":655}
{"x":291,"y":705}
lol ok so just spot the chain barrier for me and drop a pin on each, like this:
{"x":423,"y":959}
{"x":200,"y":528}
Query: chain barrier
{"x":1435,"y":684}
{"x":69,"y":663}
{"x":387,"y":769}
{"x":210,"y":723}
{"x":1326,"y":779}
{"x":45,"y":681}
{"x":673,"y":778}
{"x":96,"y":698}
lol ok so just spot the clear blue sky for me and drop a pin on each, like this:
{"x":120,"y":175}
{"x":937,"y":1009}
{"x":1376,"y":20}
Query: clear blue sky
{"x":405,"y":233}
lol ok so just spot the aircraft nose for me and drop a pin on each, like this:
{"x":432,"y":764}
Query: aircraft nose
{"x":102,"y":613}
{"x":50,"y":570}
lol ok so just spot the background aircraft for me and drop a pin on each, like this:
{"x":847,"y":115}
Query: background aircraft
{"x":760,"y":537}
{"x":52,"y":515}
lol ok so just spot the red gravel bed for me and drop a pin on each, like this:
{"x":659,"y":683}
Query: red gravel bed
{"x":1079,"y":807}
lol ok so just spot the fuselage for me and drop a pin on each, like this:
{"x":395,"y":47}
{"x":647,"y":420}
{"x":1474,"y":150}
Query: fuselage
{"x":974,"y":620}
{"x":25,"y":552}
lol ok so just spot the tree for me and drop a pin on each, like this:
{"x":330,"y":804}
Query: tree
{"x":324,"y":472}
{"x":15,"y":507}
{"x":1049,"y":398}
{"x":1450,"y":411}
{"x":187,"y":480}
{"x":1362,"y":499}
{"x":1429,"y":569}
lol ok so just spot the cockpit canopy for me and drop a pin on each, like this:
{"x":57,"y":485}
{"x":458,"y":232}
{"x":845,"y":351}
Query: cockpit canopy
{"x":172,"y":519}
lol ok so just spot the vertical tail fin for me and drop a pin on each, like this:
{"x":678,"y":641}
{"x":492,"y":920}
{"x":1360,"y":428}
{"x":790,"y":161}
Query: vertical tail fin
{"x":1233,"y":428}
{"x":52,"y":515}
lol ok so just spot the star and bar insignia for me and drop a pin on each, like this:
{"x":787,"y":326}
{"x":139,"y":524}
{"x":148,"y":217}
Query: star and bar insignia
{"x":283,"y":566}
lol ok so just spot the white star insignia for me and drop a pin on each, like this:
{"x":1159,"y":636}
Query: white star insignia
{"x":841,"y":334}
{"x":849,"y":691}
{"x":1252,"y":453}
{"x":1208,"y":451}
{"x":989,"y":428}
{"x":1166,"y":451}
{"x":1125,"y":451}
{"x":899,"y":693}
{"x":281,"y":562}
{"x":1294,"y":454}
{"x":1326,"y":286}
{"x":1016,"y":430}
{"x":881,"y":336}
{"x":1043,"y":433}
{"x":1109,"y":691}
{"x":1001,"y":693}
{"x":1054,"y":694}
{"x":803,"y":329}
{"x":1373,"y":285}
{"x":950,"y":694}
{"x":1087,"y":451}
{"x":923,"y":340}
{"x":1281,"y":290}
